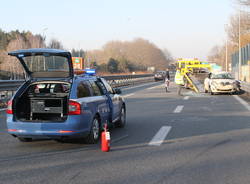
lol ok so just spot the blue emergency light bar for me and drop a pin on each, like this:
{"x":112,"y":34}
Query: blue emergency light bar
{"x":90,"y":71}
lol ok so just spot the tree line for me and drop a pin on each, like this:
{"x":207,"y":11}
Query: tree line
{"x":9,"y":66}
{"x":127,"y":56}
{"x":114,"y":57}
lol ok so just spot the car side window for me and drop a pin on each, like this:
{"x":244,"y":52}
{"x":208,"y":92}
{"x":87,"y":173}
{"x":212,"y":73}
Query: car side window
{"x":101,"y":87}
{"x":96,"y":89}
{"x":108,"y":87}
{"x":83,"y":90}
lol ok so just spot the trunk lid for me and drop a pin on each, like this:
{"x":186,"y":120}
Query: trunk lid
{"x":45,"y":63}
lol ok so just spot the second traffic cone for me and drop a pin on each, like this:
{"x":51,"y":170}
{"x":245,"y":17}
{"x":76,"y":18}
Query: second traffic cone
{"x":105,"y":140}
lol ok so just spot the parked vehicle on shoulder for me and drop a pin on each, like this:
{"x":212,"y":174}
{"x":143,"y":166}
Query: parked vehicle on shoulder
{"x":55,"y":104}
{"x":160,"y":75}
{"x":221,"y":82}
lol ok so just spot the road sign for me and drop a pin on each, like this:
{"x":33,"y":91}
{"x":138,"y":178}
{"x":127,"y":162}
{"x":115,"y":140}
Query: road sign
{"x":77,"y":62}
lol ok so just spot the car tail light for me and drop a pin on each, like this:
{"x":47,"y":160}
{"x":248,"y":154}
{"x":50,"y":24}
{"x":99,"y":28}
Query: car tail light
{"x":9,"y":108}
{"x":65,"y":131}
{"x":74,"y":108}
{"x":12,"y":130}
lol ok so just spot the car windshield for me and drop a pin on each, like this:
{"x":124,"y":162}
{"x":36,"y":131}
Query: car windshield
{"x":222,"y":76}
{"x":41,"y":63}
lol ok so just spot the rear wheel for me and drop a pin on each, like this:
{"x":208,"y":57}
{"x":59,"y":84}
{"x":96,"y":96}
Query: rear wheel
{"x":122,"y":119}
{"x":22,"y":139}
{"x":94,"y":133}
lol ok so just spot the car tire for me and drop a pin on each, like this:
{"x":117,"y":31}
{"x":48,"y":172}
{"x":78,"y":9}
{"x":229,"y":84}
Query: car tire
{"x":22,"y":139}
{"x":122,"y":119}
{"x":94,"y":134}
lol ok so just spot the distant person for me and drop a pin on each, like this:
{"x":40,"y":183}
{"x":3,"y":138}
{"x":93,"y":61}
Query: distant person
{"x":167,"y":80}
{"x":179,"y":80}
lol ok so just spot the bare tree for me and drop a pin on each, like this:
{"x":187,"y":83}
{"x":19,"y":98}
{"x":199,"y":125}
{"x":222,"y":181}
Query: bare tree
{"x":55,"y":44}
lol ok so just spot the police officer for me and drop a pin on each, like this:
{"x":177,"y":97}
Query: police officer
{"x":179,"y":80}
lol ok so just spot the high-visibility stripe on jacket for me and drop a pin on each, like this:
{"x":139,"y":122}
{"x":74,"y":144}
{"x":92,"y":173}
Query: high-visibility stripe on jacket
{"x":179,"y":78}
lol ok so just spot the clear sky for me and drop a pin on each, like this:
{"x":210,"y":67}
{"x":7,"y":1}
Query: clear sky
{"x":187,"y":28}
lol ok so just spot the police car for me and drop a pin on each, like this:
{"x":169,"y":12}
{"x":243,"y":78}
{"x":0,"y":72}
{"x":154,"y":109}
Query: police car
{"x":56,"y":104}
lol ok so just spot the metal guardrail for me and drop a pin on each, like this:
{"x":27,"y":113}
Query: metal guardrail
{"x":114,"y":80}
{"x":126,"y":80}
{"x":245,"y":86}
{"x":10,"y":85}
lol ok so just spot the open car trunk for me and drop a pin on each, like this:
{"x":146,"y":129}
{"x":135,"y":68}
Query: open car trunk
{"x":43,"y":102}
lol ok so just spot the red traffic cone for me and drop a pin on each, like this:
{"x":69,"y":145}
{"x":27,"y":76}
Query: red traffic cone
{"x":105,"y":140}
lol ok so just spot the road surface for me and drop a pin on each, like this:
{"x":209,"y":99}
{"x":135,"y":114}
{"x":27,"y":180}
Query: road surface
{"x":191,"y":139}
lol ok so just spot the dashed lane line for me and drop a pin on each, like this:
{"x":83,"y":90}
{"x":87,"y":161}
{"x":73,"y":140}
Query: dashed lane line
{"x":186,"y":97}
{"x":125,"y":96}
{"x":178,"y":109}
{"x":160,"y":136}
{"x":243,"y":102}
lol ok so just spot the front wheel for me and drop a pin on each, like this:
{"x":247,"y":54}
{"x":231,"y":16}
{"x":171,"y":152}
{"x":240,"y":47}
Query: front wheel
{"x":94,"y":133}
{"x":122,"y":119}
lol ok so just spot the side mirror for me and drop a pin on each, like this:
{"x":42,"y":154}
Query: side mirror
{"x":117,"y":91}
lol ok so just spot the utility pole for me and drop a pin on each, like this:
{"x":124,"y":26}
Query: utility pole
{"x":226,"y":55}
{"x":239,"y":69}
{"x":226,"y":47}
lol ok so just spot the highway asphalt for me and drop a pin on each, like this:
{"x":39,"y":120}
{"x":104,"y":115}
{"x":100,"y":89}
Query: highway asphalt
{"x":189,"y":139}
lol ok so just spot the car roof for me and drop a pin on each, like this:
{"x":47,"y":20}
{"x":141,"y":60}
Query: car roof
{"x":39,"y":50}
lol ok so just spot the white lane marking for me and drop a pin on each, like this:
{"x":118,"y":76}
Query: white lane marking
{"x":178,"y":109}
{"x":155,"y":87}
{"x":125,"y":96}
{"x":186,"y":98}
{"x":3,"y":109}
{"x":127,"y":88}
{"x":243,"y":102}
{"x":160,"y":136}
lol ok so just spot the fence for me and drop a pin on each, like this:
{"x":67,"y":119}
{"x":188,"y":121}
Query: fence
{"x":245,"y":64}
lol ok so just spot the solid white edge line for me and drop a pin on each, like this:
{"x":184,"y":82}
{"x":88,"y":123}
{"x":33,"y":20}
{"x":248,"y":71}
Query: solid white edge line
{"x":178,"y":109}
{"x":243,"y":102}
{"x":154,"y":87}
{"x":125,"y":96}
{"x":160,"y":136}
{"x":147,"y":84}
{"x":186,"y":97}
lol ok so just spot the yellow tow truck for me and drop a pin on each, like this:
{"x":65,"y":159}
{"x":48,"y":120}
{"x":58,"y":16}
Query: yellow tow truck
{"x":188,"y":67}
